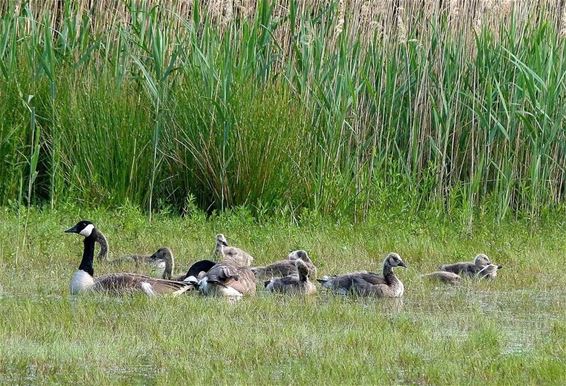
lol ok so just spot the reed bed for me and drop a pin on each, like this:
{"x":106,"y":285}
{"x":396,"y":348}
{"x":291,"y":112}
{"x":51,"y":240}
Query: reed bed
{"x":341,"y":108}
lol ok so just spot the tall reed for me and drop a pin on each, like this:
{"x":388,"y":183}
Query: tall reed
{"x":339,"y":107}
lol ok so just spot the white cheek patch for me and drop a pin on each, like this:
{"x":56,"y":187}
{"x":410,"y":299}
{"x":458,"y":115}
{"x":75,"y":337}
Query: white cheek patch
{"x":87,"y":230}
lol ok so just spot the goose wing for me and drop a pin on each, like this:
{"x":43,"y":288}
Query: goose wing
{"x":127,"y":282}
{"x":278,"y":269}
{"x":344,"y":283}
{"x":361,"y":287}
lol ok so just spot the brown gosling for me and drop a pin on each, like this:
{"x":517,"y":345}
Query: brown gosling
{"x":296,"y":283}
{"x":367,"y":283}
{"x":231,"y":254}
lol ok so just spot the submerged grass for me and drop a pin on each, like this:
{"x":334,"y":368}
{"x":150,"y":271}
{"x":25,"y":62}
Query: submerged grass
{"x":505,"y":331}
{"x":337,"y":107}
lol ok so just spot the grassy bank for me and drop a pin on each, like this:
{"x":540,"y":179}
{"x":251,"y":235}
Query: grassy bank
{"x":506,"y":331}
{"x":338,"y":107}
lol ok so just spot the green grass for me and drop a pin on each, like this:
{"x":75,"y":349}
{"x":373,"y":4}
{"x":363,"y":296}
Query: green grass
{"x":507,"y":331}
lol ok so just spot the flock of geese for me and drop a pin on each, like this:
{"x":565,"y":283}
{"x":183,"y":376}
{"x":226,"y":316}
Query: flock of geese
{"x":233,"y":276}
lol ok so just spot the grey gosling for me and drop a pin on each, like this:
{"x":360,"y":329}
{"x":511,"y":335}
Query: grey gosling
{"x":367,"y":283}
{"x":287,"y":267}
{"x":118,"y":283}
{"x":467,"y":268}
{"x":296,"y":283}
{"x":231,"y":254}
{"x":139,"y":260}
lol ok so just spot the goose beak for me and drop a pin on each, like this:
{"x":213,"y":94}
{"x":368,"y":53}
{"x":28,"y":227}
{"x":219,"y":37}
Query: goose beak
{"x":402,"y":264}
{"x":72,"y":230}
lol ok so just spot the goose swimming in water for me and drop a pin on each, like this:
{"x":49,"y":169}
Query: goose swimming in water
{"x":118,"y":283}
{"x":367,"y":283}
{"x":295,"y":283}
{"x":287,"y":267}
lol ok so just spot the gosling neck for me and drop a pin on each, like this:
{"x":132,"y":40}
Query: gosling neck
{"x":388,"y":274}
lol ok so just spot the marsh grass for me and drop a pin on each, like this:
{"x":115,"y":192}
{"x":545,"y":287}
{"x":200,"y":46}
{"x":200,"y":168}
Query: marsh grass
{"x":505,"y":331}
{"x":336,"y":107}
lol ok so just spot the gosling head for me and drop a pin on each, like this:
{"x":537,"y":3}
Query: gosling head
{"x":83,"y":228}
{"x":300,"y":254}
{"x":221,"y":240}
{"x":162,"y":254}
{"x":481,"y":260}
{"x":394,"y":260}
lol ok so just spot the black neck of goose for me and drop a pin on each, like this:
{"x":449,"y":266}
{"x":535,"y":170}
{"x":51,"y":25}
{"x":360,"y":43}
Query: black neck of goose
{"x":388,"y":274}
{"x":88,"y":253}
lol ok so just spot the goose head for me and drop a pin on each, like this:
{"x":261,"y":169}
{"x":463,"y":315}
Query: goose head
{"x":162,"y":254}
{"x":83,"y":228}
{"x":481,"y":260}
{"x":299,"y":254}
{"x":394,"y":260}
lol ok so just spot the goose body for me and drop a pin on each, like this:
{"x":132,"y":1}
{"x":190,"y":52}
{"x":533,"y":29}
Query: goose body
{"x":444,"y":277}
{"x":285,"y":268}
{"x":118,"y":283}
{"x":467,"y":268}
{"x":296,"y":283}
{"x":367,"y":283}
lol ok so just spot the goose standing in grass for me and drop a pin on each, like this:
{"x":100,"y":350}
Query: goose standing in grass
{"x":295,"y":283}
{"x":165,"y":256}
{"x":367,"y":283}
{"x":468,"y":268}
{"x":287,"y":267}
{"x":118,"y":283}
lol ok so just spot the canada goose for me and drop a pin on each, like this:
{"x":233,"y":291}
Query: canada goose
{"x":444,"y":276}
{"x":197,"y":270}
{"x":226,"y":279}
{"x":467,"y":268}
{"x":287,"y":267}
{"x":297,"y":283}
{"x":117,"y":283}
{"x":367,"y":283}
{"x":230,"y":254}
